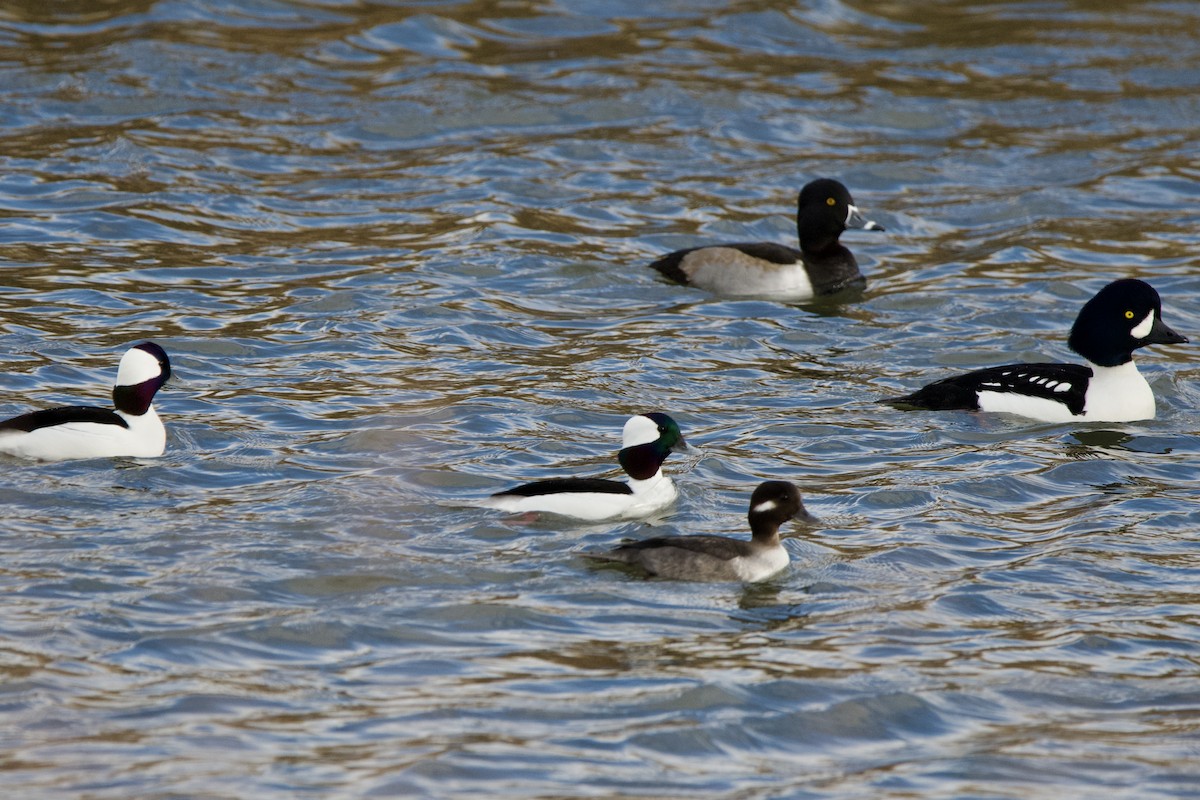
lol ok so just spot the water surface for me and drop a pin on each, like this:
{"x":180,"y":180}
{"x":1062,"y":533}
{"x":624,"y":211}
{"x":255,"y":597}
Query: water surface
{"x":397,"y":253}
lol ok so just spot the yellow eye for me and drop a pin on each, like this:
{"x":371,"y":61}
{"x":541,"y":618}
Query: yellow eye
{"x":1128,"y":315}
{"x":829,"y":201}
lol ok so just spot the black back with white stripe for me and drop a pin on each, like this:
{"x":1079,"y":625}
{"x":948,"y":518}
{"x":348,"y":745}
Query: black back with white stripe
{"x":1062,"y":383}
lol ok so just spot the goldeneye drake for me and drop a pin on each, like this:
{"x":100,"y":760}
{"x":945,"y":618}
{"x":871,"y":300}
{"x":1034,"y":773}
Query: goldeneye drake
{"x":1123,"y":316}
{"x":132,"y":428}
{"x":647,"y":440}
{"x":720,"y":558}
{"x":821,"y":266}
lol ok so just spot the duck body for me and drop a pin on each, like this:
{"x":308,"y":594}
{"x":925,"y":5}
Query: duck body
{"x":589,"y":499}
{"x":1045,"y":392}
{"x":1123,"y":316}
{"x":821,"y":265}
{"x":647,"y":439}
{"x":703,"y":558}
{"x":721,"y":558}
{"x":131,"y":428}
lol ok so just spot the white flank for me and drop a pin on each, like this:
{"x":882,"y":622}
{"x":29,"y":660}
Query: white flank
{"x":649,"y":496}
{"x":145,"y":437}
{"x":1025,"y":406}
{"x":729,"y":271}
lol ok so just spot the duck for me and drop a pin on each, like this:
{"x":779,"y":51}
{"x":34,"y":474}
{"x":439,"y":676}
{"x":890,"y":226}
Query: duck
{"x":130,"y":428}
{"x":1122,"y":317}
{"x":647,"y":440}
{"x":721,"y":558}
{"x":822,"y":265}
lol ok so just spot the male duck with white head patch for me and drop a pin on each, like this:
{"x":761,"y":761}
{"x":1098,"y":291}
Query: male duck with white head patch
{"x":822,"y":265}
{"x":721,"y":558}
{"x":132,"y":428}
{"x":1123,"y":316}
{"x":647,"y":440}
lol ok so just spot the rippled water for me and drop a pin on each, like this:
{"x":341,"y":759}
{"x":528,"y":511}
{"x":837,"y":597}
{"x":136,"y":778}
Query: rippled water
{"x":398,"y":254}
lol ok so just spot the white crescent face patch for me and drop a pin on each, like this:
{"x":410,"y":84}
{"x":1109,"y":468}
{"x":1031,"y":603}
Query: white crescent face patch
{"x":1142,"y":329}
{"x":766,"y":505}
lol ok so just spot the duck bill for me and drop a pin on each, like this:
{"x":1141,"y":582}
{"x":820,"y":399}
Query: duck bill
{"x":855,"y":219}
{"x":804,"y":518}
{"x":681,"y":446}
{"x":1161,"y":334}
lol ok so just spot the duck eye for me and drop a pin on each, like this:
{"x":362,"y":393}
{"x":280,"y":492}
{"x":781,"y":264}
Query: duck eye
{"x":830,"y":201}
{"x":1128,"y":315}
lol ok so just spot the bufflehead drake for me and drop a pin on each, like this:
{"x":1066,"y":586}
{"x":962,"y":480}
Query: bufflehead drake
{"x":821,"y":266}
{"x":647,"y":440}
{"x":720,"y":558}
{"x":1123,"y":316}
{"x":132,"y":428}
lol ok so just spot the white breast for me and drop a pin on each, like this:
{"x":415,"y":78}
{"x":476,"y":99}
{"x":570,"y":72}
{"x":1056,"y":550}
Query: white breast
{"x":1118,"y":394}
{"x":653,"y":494}
{"x":763,"y":564}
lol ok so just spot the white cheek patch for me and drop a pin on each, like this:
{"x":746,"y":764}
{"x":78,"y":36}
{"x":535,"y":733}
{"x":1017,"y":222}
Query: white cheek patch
{"x":1142,"y":329}
{"x":639,"y":430}
{"x":766,"y":505}
{"x":137,"y":366}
